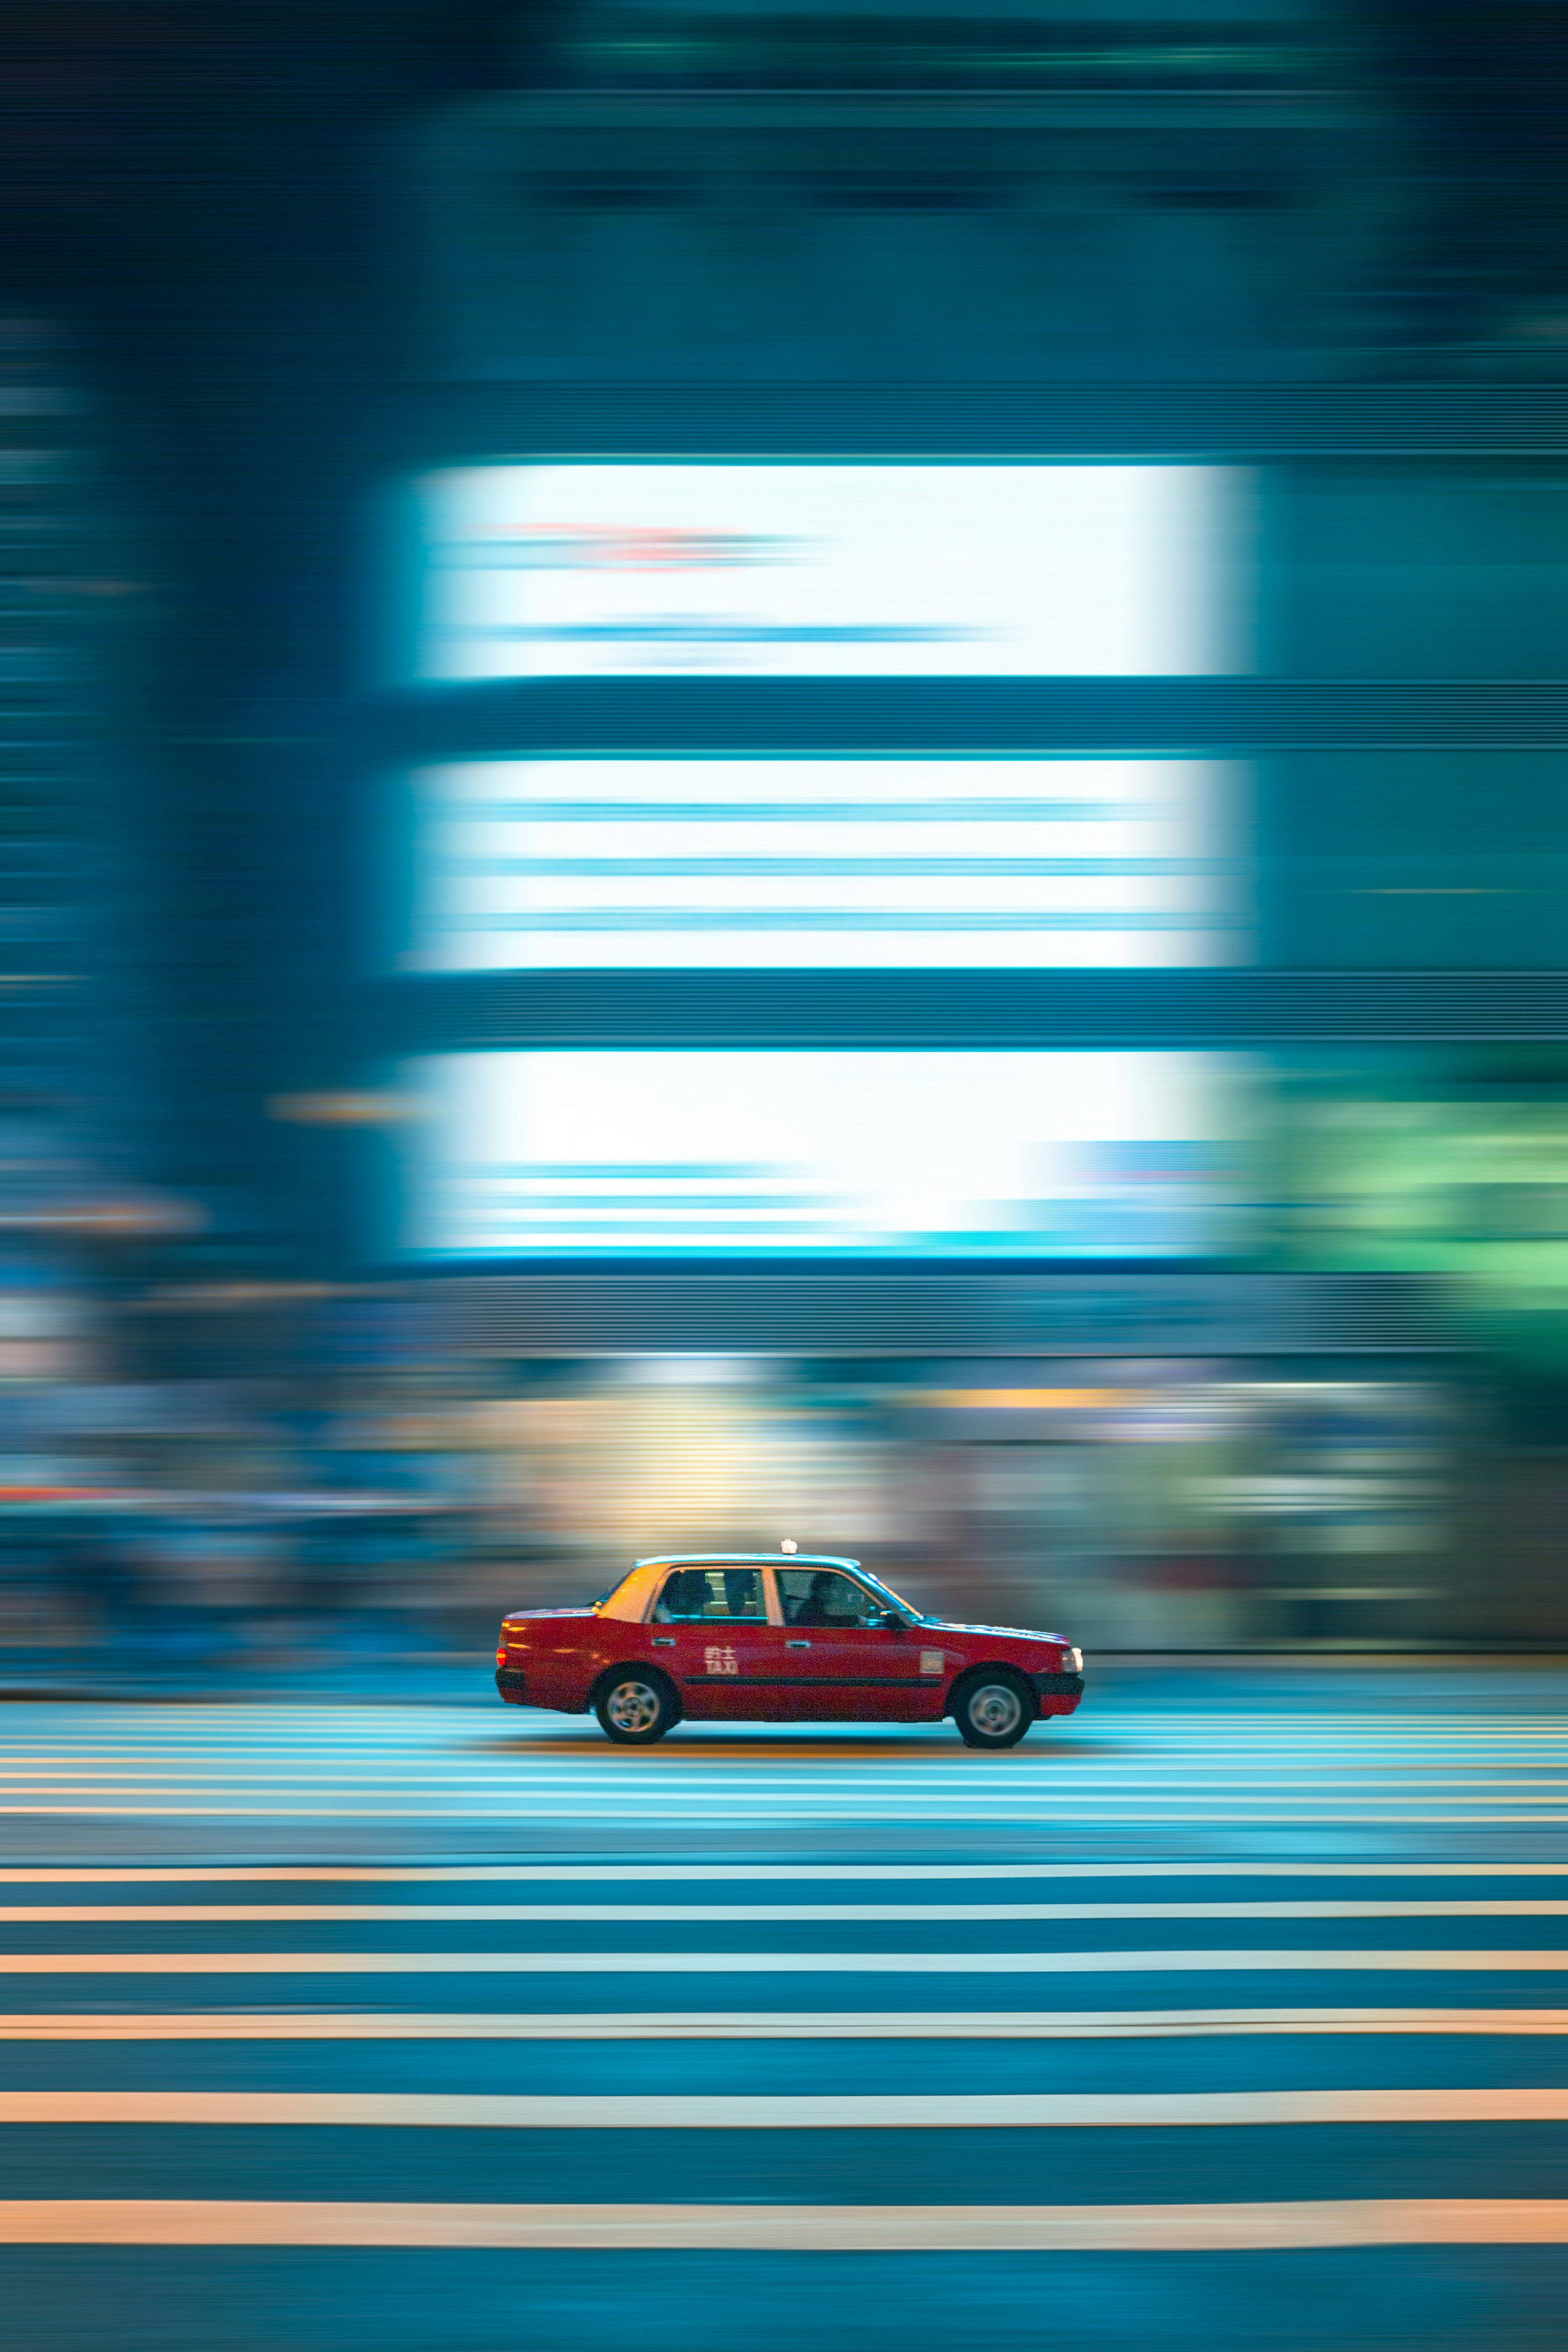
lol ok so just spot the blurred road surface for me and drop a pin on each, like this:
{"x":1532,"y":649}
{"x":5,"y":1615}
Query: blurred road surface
{"x":1230,"y":2014}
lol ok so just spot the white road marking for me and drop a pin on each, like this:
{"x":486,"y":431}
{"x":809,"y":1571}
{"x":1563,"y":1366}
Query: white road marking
{"x":794,"y":2229}
{"x":545,"y":1874}
{"x":763,"y":2025}
{"x":666,"y":2111}
{"x":438,"y":1915}
{"x":1201,"y":1956}
{"x":505,"y":1813}
{"x":956,"y":1770}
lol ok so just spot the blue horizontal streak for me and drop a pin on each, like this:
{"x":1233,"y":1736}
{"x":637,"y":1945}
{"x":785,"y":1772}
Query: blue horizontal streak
{"x":934,"y":868}
{"x":811,"y":918}
{"x":944,"y":811}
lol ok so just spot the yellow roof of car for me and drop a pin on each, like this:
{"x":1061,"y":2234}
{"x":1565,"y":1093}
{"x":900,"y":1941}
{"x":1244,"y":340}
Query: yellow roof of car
{"x":746,"y":1559}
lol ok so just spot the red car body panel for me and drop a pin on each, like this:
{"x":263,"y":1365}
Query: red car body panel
{"x":735,"y":1670}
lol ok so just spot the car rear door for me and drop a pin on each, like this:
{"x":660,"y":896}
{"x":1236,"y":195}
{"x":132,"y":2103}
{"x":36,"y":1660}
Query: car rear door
{"x":840,"y":1663}
{"x":710,"y":1631}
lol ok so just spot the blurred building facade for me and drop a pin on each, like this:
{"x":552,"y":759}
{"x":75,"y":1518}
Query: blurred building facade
{"x":82,"y":1104}
{"x":724,"y":234}
{"x":1242,"y":238}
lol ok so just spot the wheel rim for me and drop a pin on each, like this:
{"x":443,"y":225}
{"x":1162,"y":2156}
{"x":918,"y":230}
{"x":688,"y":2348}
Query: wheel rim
{"x":633,"y":1706}
{"x":995,"y":1709}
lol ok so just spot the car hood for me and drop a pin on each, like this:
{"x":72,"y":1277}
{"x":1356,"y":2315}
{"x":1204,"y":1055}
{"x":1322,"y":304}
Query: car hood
{"x":1007,"y":1632}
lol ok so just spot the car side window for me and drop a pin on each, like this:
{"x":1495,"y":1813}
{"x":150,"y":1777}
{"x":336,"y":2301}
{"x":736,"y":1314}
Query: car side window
{"x":821,"y":1596}
{"x":712,"y":1596}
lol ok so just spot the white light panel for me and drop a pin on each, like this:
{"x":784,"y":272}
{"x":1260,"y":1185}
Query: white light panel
{"x":830,"y":570}
{"x":552,"y":1153}
{"x":584,"y":864}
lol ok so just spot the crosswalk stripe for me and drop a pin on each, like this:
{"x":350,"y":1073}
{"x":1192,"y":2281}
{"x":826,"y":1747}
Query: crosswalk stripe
{"x":658,"y":1873}
{"x":336,"y":1724}
{"x":543,"y":1737}
{"x":794,"y":2229}
{"x":708,"y":1761}
{"x":763,"y":2025}
{"x":704,"y":1750}
{"x":438,"y":1915}
{"x":1053,"y":1816}
{"x":342,"y":1716}
{"x":460,"y":1963}
{"x":422,"y":1801}
{"x":622,"y":1770}
{"x":893,"y":2111}
{"x":959,"y":1773}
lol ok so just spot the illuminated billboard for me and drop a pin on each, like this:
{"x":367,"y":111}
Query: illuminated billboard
{"x":830,"y":571}
{"x":546,"y":1153}
{"x":578,"y":864}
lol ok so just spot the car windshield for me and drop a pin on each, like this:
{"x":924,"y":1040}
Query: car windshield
{"x":812,"y":1595}
{"x":894,"y":1599}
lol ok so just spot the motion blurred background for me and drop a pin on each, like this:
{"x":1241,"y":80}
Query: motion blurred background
{"x":783,"y":770}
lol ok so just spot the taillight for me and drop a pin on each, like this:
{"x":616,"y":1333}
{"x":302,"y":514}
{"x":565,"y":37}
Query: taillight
{"x":500,"y":1656}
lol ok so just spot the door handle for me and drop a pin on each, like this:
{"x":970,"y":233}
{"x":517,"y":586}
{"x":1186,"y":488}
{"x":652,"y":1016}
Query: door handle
{"x":797,"y":1645}
{"x":664,"y":1641}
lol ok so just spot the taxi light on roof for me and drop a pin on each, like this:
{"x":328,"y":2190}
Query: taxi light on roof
{"x":789,"y":1545}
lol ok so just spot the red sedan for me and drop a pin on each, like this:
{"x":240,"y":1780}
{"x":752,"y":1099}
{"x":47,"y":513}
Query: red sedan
{"x":736,"y":1637}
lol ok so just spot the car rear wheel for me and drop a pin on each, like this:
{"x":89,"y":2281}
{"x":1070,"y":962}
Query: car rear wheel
{"x":993,"y":1708}
{"x":635,"y":1707}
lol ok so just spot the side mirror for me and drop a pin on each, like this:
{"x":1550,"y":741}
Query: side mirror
{"x":889,"y":1622}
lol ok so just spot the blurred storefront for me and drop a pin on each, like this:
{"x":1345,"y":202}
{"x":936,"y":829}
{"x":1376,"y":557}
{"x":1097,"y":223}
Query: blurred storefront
{"x":415,"y":1472}
{"x":1186,"y":1460}
{"x":1185,"y":1505}
{"x":677,"y":806}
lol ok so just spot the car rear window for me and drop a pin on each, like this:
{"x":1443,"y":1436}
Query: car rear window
{"x":711,"y":1596}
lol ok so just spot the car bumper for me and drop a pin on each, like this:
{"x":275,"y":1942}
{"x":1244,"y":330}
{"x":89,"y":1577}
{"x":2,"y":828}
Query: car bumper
{"x":1058,"y":1686}
{"x":510,"y":1683}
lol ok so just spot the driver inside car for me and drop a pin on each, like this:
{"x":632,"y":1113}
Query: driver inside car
{"x":815,"y":1609}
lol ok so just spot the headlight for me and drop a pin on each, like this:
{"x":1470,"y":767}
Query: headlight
{"x":1072,"y":1661}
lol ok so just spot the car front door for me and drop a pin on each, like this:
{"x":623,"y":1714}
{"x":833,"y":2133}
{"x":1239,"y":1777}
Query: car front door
{"x":841,"y":1661}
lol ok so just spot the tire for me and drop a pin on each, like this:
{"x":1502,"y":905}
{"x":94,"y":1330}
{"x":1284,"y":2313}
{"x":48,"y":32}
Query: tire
{"x":636,"y":1706}
{"x":992,"y":1707}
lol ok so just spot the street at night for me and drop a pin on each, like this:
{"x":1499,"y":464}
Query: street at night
{"x":355,"y":2024}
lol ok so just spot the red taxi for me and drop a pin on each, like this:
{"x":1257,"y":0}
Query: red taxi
{"x":736,"y":1637}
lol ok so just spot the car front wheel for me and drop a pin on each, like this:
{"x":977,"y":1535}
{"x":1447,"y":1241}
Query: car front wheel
{"x":993,"y":1708}
{"x":635,"y":1707}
